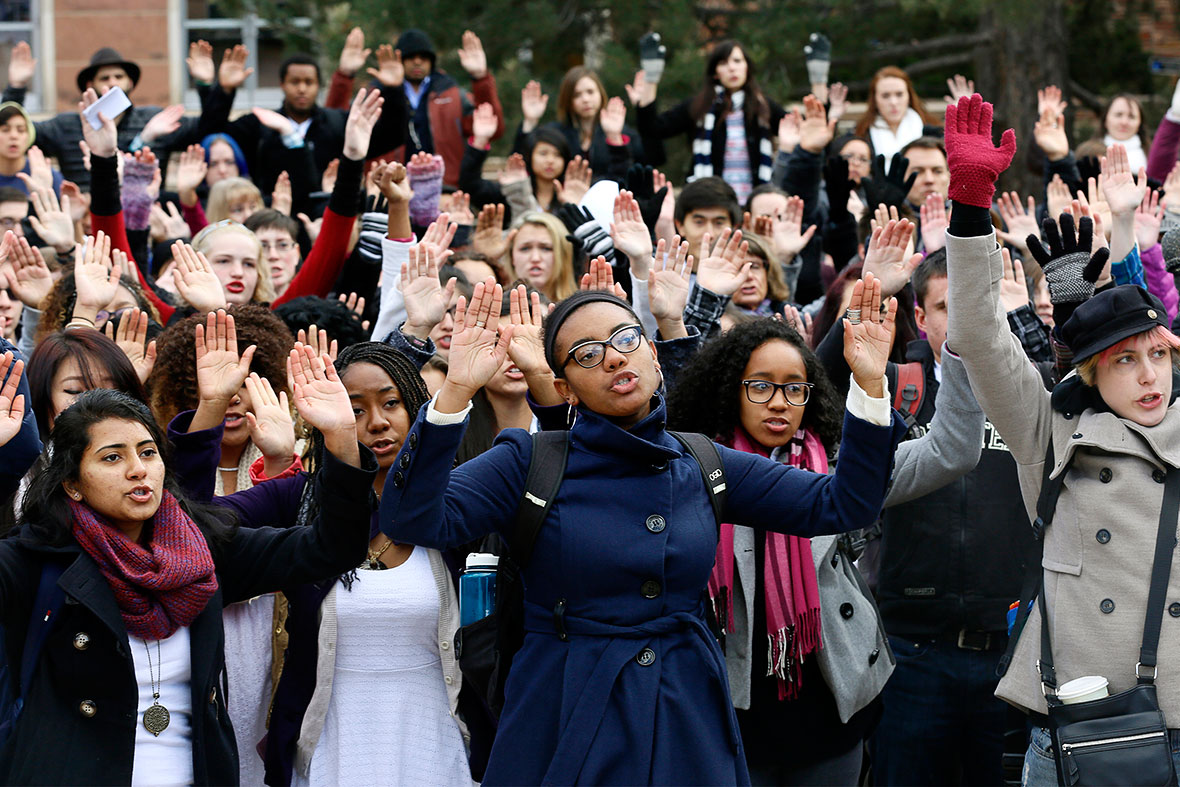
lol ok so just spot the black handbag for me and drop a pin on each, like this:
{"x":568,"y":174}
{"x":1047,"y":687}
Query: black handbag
{"x":1121,"y":739}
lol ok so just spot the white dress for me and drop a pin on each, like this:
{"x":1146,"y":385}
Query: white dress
{"x":389,"y":719}
{"x":248,"y":657}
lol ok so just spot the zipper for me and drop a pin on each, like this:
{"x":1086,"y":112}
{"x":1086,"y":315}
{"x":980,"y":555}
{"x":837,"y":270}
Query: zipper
{"x":1069,"y":747}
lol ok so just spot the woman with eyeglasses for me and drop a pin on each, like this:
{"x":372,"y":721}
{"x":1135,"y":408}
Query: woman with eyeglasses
{"x":619,"y":679}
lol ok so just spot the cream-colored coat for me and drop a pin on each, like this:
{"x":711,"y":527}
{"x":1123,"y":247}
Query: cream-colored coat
{"x":1082,"y":573}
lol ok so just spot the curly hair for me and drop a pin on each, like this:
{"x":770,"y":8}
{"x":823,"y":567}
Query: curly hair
{"x":341,"y":322}
{"x":708,"y":392}
{"x":173,"y":383}
{"x":58,"y":306}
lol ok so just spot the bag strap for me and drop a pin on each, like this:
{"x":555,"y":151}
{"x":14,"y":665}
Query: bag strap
{"x":911,"y":381}
{"x":46,"y":603}
{"x":708,"y":459}
{"x":1161,"y":571}
{"x":546,"y":469}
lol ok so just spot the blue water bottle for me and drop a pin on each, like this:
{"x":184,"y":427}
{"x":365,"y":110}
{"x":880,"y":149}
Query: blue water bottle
{"x":477,"y":587}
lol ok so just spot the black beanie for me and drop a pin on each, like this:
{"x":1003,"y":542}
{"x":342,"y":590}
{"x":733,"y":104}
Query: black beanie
{"x":416,"y":42}
{"x":565,"y":308}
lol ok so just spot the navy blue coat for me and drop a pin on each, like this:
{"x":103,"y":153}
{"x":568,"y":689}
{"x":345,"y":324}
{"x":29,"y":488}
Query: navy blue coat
{"x":21,"y":451}
{"x":638,"y":694}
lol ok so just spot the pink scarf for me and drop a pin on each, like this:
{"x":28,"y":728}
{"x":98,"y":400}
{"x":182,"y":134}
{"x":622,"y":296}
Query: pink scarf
{"x":788,"y":579}
{"x":158,"y":589}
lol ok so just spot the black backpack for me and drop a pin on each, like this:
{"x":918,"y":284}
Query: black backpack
{"x":485,"y":648}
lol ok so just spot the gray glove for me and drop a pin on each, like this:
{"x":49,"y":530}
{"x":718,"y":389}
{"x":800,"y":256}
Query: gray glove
{"x":652,"y":54}
{"x":1069,"y":268}
{"x":818,"y":53}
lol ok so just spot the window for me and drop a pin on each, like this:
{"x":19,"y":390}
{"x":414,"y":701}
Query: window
{"x":19,"y":22}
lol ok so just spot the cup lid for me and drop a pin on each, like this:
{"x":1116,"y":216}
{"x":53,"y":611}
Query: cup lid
{"x":482,"y":560}
{"x":1080,"y":687}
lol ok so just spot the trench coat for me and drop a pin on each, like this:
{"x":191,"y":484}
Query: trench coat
{"x":1098,"y":550}
{"x":636,"y":691}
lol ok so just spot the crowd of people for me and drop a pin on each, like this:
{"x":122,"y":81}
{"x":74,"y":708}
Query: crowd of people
{"x":269,"y":382}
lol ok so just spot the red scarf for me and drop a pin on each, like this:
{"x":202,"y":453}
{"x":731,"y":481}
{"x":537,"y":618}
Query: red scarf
{"x":788,"y":578}
{"x":158,"y":589}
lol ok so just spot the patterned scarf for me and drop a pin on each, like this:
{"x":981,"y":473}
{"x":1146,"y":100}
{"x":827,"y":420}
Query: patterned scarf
{"x":702,"y":145}
{"x":788,"y":578}
{"x":158,"y":589}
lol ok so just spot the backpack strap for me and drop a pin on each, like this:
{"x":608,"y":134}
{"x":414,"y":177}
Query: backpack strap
{"x":911,"y":384}
{"x":49,"y":599}
{"x":708,"y":459}
{"x":546,"y":469}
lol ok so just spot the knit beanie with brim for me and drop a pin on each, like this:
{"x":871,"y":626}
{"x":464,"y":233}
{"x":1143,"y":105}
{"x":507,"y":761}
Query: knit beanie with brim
{"x":28,"y":120}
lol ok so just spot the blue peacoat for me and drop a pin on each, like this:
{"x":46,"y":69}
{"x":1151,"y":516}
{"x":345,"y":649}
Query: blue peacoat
{"x":637,"y":692}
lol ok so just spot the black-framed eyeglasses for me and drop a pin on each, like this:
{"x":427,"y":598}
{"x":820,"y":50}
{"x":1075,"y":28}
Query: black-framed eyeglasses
{"x":762,"y":391}
{"x":590,"y":354}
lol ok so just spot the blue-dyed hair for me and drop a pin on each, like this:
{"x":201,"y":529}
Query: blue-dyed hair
{"x":239,"y":157}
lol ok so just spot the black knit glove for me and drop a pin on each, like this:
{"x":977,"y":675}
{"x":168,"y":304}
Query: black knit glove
{"x":839,"y":186}
{"x":640,"y":182}
{"x":1069,"y":268}
{"x":889,"y":189}
{"x":586,"y":233}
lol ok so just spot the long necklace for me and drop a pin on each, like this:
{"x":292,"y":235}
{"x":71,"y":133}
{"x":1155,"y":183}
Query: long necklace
{"x":155,"y":718}
{"x":373,"y":561}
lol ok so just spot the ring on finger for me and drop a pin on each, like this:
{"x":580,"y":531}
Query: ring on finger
{"x":480,"y":323}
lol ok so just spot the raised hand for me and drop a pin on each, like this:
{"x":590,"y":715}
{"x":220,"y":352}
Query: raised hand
{"x":816,"y":131}
{"x":1049,"y":133}
{"x":280,"y":124}
{"x":220,"y":369}
{"x":131,"y":338}
{"x":21,"y":65}
{"x":12,"y":404}
{"x":39,"y":170}
{"x":1123,"y":194}
{"x":723,"y":265}
{"x":163,"y":123}
{"x":483,"y":125}
{"x":322,"y":401}
{"x":331,"y":172}
{"x":1069,"y":268}
{"x":472,"y":57}
{"x":425,"y":299}
{"x":889,"y":188}
{"x":459,"y":206}
{"x":611,"y":118}
{"x":233,"y":73}
{"x":51,"y":220}
{"x":103,"y":141}
{"x":886,"y":256}
{"x":788,"y":131}
{"x":1019,"y":222}
{"x":799,"y":321}
{"x":317,"y":339}
{"x":514,"y":171}
{"x":601,"y":276}
{"x":837,"y":102}
{"x":354,"y":54}
{"x":959,"y":86}
{"x":974,"y":162}
{"x":272,"y":430}
{"x":1013,"y":287}
{"x":1049,"y":100}
{"x":869,"y":337}
{"x":389,"y":71}
{"x":578,"y":176}
{"x":280,"y":198}
{"x":195,"y":280}
{"x":630,"y":235}
{"x":787,"y":234}
{"x":1058,"y":196}
{"x":934,"y":222}
{"x":1171,"y":198}
{"x":640,"y":92}
{"x":1148,"y":218}
{"x":489,"y":232}
{"x":168,"y":224}
{"x":393,"y":183}
{"x":362,"y":117}
{"x":96,"y":277}
{"x":190,"y":174}
{"x":526,"y":349}
{"x":667,"y":287}
{"x":438,"y":237}
{"x":28,"y":276}
{"x":200,"y":62}
{"x":532,"y":106}
{"x":476,"y":352}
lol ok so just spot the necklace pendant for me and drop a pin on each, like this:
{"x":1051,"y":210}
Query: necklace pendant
{"x":156,"y":719}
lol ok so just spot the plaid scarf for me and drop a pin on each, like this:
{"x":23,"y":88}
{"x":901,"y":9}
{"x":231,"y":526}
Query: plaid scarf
{"x":789,"y":582}
{"x":702,"y":145}
{"x":158,"y":589}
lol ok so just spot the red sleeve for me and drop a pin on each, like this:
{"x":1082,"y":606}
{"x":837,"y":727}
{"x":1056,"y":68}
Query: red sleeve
{"x":325,"y":261}
{"x":116,"y":230}
{"x":483,"y":91}
{"x":258,"y":470}
{"x":339,"y":91}
{"x":194,"y":217}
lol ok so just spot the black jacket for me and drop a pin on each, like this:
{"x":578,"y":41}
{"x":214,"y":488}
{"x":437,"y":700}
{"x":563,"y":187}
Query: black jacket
{"x":954,"y":558}
{"x":86,"y":656}
{"x":607,"y":161}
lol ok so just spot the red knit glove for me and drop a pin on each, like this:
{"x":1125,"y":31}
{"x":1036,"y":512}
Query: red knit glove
{"x":973,"y":161}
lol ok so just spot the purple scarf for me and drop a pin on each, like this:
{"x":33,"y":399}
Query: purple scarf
{"x":788,"y":579}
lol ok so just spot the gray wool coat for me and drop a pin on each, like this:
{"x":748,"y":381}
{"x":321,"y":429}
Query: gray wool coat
{"x":1098,"y":551}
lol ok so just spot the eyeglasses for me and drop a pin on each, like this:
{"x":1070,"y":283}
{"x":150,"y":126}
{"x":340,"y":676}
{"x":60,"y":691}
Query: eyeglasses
{"x":281,"y":246}
{"x":590,"y":354}
{"x":9,"y":223}
{"x":859,"y":158}
{"x":762,"y":391}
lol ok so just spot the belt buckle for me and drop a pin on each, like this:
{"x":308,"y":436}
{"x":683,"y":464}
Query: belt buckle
{"x":987,"y":637}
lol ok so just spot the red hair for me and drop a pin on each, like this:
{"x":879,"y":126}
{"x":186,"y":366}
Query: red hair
{"x":1155,"y":336}
{"x":870,"y":116}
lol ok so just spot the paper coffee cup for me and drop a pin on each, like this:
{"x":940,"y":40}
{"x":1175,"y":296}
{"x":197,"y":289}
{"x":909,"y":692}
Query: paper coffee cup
{"x":1086,"y":689}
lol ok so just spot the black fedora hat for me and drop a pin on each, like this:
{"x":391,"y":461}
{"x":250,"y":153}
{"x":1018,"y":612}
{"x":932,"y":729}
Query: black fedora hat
{"x":106,"y":57}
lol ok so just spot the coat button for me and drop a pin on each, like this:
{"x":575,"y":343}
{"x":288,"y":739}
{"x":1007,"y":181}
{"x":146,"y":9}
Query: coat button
{"x":1068,"y":416}
{"x":1107,"y":606}
{"x":1077,"y":435}
{"x":87,"y":708}
{"x":874,"y":656}
{"x":81,"y":640}
{"x":399,"y":480}
{"x":646,"y":657}
{"x":846,"y":610}
{"x":1103,"y":536}
{"x":1104,"y":475}
{"x":1159,"y":476}
{"x":449,"y":680}
{"x":650,"y":589}
{"x":404,"y":461}
{"x":1174,"y":610}
{"x":413,"y":439}
{"x":660,"y":467}
{"x":445,"y":645}
{"x":656,"y":523}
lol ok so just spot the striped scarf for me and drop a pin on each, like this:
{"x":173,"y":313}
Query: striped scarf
{"x":158,"y":589}
{"x":702,"y":145}
{"x":789,"y":582}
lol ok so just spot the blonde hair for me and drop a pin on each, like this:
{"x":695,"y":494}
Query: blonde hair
{"x":226,"y":193}
{"x":776,"y":283}
{"x":1088,"y":369}
{"x":561,"y":283}
{"x":264,"y":291}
